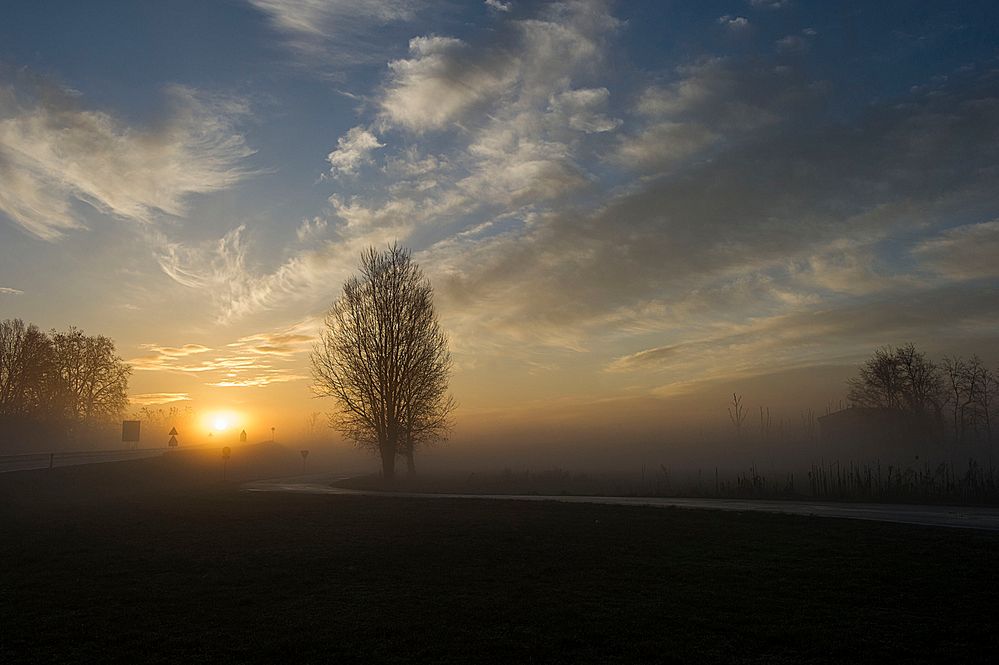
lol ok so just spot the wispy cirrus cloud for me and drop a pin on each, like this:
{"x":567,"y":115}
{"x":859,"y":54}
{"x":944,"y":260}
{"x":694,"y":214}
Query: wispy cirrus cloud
{"x":251,"y":361}
{"x":336,"y":33}
{"x":56,"y":154}
{"x":964,"y":252}
{"x":7,"y":291}
{"x":151,"y":399}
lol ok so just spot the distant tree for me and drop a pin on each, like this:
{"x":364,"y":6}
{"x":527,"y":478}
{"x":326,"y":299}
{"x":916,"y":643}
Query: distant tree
{"x":312,"y":423}
{"x":94,"y":376}
{"x":383,"y":357}
{"x":971,"y":389}
{"x":955,"y":370}
{"x":737,"y":413}
{"x":902,"y":378}
{"x":28,"y":382}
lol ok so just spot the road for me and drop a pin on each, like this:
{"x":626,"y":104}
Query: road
{"x":966,"y":517}
{"x":43,"y":460}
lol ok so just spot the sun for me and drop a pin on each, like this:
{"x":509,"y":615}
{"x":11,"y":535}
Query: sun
{"x":220,"y":423}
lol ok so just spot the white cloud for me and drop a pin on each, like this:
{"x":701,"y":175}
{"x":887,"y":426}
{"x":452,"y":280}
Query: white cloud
{"x":54,"y":155}
{"x":583,"y":109}
{"x":664,"y":145}
{"x":441,"y":81}
{"x":499,"y":5}
{"x":7,"y":291}
{"x":734,"y":22}
{"x":310,"y":228}
{"x":353,"y":150}
{"x":335,"y":32}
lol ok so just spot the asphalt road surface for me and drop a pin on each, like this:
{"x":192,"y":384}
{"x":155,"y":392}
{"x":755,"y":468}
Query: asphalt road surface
{"x":44,"y":460}
{"x":968,"y":517}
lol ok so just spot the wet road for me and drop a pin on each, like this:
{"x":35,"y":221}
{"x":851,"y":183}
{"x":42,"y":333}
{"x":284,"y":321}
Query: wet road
{"x":967,"y":517}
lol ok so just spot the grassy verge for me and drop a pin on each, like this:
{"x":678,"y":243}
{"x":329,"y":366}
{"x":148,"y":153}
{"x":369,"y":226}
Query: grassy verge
{"x":212,"y":574}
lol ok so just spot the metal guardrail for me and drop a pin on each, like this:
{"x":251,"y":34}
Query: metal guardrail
{"x":29,"y":461}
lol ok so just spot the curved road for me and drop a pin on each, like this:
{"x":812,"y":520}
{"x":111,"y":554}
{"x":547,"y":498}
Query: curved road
{"x":967,"y":517}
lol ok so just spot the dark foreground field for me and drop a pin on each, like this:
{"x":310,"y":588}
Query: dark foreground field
{"x":158,"y":561}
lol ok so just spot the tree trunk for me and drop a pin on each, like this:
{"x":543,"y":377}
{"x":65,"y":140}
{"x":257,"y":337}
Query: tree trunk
{"x":410,"y":461}
{"x":388,"y":462}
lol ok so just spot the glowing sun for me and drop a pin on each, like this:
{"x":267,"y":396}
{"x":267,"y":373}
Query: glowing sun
{"x":220,"y":423}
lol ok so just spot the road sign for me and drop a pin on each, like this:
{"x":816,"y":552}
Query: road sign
{"x":226,"y":452}
{"x":173,"y":442}
{"x":242,"y":436}
{"x":173,"y":431}
{"x":305,"y":453}
{"x":130,"y":431}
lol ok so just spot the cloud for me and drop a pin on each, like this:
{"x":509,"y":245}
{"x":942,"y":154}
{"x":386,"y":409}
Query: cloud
{"x":842,"y":332}
{"x":689,"y":237}
{"x":7,"y":291}
{"x":253,"y":360}
{"x":336,"y":32}
{"x":310,"y":227}
{"x":150,"y":399}
{"x":734,"y":22}
{"x":708,"y":102}
{"x":448,"y":81}
{"x":499,"y":5}
{"x":583,"y":109}
{"x":792,"y":44}
{"x":353,"y":149}
{"x":55,"y":155}
{"x":964,"y":252}
{"x":442,"y":81}
{"x":769,"y":4}
{"x":725,"y":198}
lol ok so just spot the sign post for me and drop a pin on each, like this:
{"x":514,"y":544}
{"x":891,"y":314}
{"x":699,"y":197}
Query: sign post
{"x":305,"y":455}
{"x":226,"y":453}
{"x":130,"y":432}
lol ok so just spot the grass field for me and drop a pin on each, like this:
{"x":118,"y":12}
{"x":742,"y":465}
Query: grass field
{"x":159,"y":561}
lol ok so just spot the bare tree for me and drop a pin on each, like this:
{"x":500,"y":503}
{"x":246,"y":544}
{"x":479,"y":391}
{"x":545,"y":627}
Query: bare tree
{"x":878,"y":383}
{"x":384,"y":359}
{"x":955,"y":370}
{"x":312,"y":423}
{"x":54,"y":386}
{"x":737,"y":413}
{"x":28,"y":383}
{"x":95,"y":377}
{"x":902,"y":378}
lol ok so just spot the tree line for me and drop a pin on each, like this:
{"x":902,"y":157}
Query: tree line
{"x":58,"y":388}
{"x":954,"y":399}
{"x":957,"y":395}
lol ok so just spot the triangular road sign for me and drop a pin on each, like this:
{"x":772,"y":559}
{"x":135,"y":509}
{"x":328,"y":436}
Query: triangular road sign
{"x":173,"y":441}
{"x":173,"y":431}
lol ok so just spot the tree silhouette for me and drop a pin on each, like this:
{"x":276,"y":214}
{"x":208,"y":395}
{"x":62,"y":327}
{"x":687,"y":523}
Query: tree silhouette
{"x":57,"y":386}
{"x":737,"y":413}
{"x":95,"y":377}
{"x":383,"y":357}
{"x":903,"y":379}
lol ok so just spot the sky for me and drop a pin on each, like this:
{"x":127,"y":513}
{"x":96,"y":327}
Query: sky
{"x":628,"y":210}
